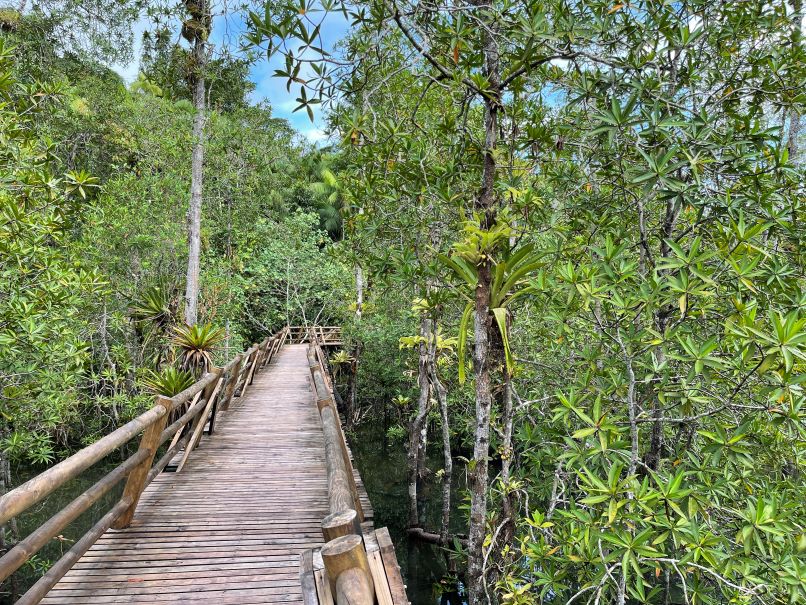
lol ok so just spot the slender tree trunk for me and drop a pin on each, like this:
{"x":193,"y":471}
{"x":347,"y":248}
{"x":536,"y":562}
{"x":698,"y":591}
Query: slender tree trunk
{"x":481,"y":447}
{"x":8,"y":531}
{"x":351,"y":402}
{"x":794,"y":116}
{"x":418,"y":427}
{"x":447,"y":459}
{"x":481,"y":336}
{"x":4,"y":487}
{"x":359,"y":291}
{"x":197,"y":167}
{"x":661,"y":320}
{"x":794,"y":134}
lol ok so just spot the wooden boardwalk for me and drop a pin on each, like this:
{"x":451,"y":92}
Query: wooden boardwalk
{"x":231,"y":526}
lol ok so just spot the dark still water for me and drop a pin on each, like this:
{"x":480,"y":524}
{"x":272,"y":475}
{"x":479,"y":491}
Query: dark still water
{"x":382,"y":464}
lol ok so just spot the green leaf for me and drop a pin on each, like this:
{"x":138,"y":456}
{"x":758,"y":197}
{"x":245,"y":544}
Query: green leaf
{"x":501,"y":319}
{"x":461,"y":346}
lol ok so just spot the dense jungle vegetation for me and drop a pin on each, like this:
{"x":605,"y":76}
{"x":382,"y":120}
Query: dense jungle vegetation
{"x":564,"y":238}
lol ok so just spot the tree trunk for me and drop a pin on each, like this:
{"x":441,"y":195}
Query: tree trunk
{"x":481,"y":333}
{"x":5,"y":484}
{"x":794,"y":116}
{"x":661,"y":320}
{"x":196,"y":178}
{"x":481,"y":446}
{"x":8,"y":531}
{"x":359,"y":291}
{"x":418,"y":427}
{"x":352,"y":388}
{"x":351,"y":400}
{"x":447,"y":460}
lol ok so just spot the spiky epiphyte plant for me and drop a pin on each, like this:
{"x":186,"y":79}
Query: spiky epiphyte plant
{"x":339,"y":359}
{"x":154,"y":311}
{"x":156,"y":304}
{"x":168,"y":382}
{"x":197,"y":344}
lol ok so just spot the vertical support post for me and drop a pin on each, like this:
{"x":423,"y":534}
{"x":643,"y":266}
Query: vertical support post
{"x":215,"y":393}
{"x":262,"y":352}
{"x":137,"y":478}
{"x":218,"y":398}
{"x":347,"y":567}
{"x":208,"y":395}
{"x":274,"y":346}
{"x":253,"y":359}
{"x":209,"y":391}
{"x":232,"y":382}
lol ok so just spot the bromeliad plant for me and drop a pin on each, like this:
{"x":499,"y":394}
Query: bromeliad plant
{"x":168,"y":382}
{"x":154,"y":311}
{"x":512,"y":268}
{"x":196,"y":345}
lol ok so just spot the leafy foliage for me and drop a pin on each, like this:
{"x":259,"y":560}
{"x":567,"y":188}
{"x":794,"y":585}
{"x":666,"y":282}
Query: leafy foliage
{"x":42,"y":348}
{"x":646,"y":155}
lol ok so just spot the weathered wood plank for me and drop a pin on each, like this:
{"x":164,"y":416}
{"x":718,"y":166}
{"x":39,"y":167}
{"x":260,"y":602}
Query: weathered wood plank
{"x":307,"y":579}
{"x":323,"y":587}
{"x":387,"y":550}
{"x":382,"y":592}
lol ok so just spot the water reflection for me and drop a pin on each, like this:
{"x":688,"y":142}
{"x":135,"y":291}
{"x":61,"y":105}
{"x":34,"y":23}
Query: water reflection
{"x":382,"y":464}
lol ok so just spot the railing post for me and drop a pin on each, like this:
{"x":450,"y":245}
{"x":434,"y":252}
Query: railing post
{"x":208,"y":391}
{"x":214,"y":411}
{"x":232,"y":382}
{"x":209,"y":395}
{"x":137,"y":478}
{"x":250,"y":368}
{"x":347,"y":567}
{"x":262,"y":350}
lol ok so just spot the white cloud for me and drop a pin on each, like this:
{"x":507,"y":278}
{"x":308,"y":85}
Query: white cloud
{"x":315,"y":135}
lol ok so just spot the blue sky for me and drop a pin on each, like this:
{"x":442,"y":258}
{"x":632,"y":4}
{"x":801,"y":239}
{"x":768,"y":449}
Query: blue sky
{"x":268,"y":87}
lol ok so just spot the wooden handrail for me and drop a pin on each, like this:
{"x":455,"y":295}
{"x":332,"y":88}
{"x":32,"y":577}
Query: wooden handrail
{"x":25,"y":548}
{"x":326,"y":335}
{"x":324,"y":397}
{"x":344,"y":553}
{"x":34,"y":490}
{"x":138,"y":469}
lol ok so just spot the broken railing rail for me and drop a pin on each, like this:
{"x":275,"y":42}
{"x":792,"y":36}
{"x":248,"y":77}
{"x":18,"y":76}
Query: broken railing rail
{"x":350,"y":577}
{"x":195,"y":406}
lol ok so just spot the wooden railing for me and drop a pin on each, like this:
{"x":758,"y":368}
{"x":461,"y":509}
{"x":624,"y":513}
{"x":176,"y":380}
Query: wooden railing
{"x":344,"y":553}
{"x":325,"y":335}
{"x":195,"y":407}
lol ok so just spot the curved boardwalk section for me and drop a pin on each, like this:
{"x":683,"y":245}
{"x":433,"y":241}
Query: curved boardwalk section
{"x":231,"y":526}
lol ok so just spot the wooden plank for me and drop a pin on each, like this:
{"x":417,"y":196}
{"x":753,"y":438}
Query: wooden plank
{"x":323,"y":587}
{"x":307,"y":579}
{"x":396,"y":587}
{"x":382,"y":592}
